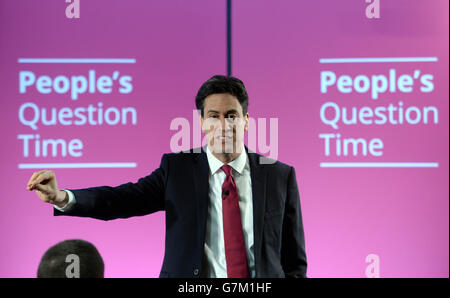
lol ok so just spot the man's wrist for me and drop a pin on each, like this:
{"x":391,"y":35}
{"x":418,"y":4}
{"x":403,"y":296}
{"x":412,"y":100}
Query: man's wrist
{"x":68,"y":199}
{"x":64,"y":199}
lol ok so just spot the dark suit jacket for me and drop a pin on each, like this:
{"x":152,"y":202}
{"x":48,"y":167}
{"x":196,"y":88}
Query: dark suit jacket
{"x":180,"y":187}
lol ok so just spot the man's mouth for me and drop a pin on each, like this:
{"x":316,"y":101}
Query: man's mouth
{"x":224,"y":138}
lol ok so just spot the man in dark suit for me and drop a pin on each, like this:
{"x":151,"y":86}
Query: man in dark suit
{"x":230,"y":212}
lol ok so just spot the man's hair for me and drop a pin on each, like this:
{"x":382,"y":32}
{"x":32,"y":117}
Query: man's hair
{"x":222,"y":84}
{"x":53,"y":264}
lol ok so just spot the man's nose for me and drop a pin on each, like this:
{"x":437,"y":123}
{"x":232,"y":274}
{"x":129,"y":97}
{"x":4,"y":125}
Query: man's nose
{"x":227,"y":124}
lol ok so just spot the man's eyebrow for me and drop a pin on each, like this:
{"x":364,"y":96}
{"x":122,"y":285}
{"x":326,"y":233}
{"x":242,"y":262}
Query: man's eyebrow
{"x":227,"y":112}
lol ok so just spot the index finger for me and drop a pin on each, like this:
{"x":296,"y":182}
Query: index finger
{"x":41,"y":177}
{"x":33,"y":177}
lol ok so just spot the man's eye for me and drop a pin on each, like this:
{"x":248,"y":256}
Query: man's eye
{"x":213,"y":116}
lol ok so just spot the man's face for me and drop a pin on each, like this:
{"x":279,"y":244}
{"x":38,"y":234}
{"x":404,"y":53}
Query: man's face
{"x":223,"y":123}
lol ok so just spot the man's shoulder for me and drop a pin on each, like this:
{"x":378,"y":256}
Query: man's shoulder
{"x":256,"y":159}
{"x":268,"y":163}
{"x":274,"y":166}
{"x":186,"y":155}
{"x":279,"y":172}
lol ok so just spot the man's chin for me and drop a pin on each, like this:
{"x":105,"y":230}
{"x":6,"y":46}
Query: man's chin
{"x":224,"y":148}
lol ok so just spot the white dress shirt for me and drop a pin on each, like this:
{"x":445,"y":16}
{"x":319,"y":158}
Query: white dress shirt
{"x":216,"y":265}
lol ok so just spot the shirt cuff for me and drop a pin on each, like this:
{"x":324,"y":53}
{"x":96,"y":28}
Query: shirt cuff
{"x":69,"y":204}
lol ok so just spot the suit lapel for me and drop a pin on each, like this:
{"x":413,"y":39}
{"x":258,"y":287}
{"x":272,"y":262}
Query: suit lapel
{"x":258,"y":175}
{"x":200,"y":173}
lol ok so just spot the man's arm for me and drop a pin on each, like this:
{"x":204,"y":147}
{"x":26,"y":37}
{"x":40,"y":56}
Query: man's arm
{"x":130,"y":199}
{"x":67,"y":203}
{"x":293,"y":255}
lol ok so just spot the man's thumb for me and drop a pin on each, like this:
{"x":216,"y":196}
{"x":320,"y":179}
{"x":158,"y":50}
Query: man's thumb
{"x":43,"y":188}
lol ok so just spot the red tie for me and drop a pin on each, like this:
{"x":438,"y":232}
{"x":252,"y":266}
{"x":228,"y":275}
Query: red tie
{"x":235,"y":252}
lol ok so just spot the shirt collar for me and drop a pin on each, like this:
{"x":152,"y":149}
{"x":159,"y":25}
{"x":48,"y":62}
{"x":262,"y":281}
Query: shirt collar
{"x":237,"y":164}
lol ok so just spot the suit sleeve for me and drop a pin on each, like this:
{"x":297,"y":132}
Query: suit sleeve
{"x":130,"y":199}
{"x":293,"y":255}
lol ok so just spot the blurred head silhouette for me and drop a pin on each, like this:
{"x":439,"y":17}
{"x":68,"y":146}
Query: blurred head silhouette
{"x":71,"y":259}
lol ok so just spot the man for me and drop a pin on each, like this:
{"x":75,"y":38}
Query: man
{"x":71,"y":259}
{"x":229,"y":212}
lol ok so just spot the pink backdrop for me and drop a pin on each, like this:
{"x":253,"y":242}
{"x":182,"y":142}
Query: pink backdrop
{"x":399,"y":214}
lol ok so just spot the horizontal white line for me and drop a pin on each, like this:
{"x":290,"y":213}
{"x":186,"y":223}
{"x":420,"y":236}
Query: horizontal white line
{"x":378,"y":60}
{"x":379,"y":164}
{"x":77,"y":165}
{"x":75,"y":60}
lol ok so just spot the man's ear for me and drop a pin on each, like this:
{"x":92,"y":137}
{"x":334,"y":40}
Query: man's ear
{"x":246,"y":119}
{"x":201,"y":122}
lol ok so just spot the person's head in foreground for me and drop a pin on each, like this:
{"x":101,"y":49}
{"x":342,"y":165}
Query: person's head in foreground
{"x":71,"y":259}
{"x":223,"y":103}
